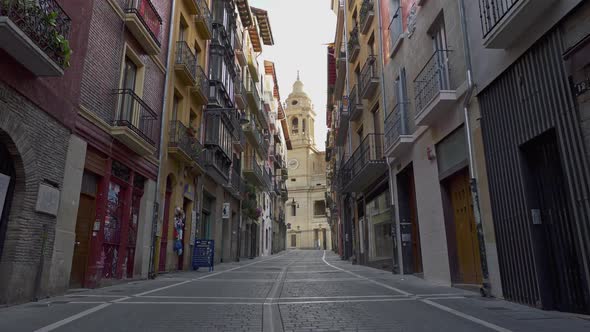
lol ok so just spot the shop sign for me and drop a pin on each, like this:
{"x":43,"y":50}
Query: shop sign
{"x":225,"y":211}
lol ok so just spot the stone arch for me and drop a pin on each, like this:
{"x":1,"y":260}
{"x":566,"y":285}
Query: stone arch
{"x":13,"y":136}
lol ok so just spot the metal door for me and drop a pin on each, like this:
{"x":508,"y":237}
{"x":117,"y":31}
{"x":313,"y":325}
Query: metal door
{"x":559,"y":272}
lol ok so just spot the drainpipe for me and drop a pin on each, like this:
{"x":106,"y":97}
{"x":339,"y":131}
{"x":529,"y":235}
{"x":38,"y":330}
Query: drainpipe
{"x":389,"y":161}
{"x":152,"y":268}
{"x":485,"y":290}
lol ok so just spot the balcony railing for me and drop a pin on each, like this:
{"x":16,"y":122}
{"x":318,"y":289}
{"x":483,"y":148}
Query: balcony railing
{"x":42,"y":21}
{"x":492,"y":12}
{"x":253,"y":96}
{"x":367,"y":14}
{"x":181,"y":140}
{"x":148,"y":15}
{"x":203,"y":19}
{"x":253,"y":171}
{"x":218,"y":166}
{"x":136,"y":115}
{"x":355,"y":105}
{"x":354,"y":47}
{"x":201,"y":88}
{"x":395,"y":31}
{"x":342,"y":123}
{"x":185,"y":63}
{"x":366,"y":164}
{"x":432,"y":79}
{"x":369,"y":78}
{"x":396,"y":125}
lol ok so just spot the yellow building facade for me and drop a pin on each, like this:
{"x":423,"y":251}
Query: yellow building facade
{"x":182,"y":160}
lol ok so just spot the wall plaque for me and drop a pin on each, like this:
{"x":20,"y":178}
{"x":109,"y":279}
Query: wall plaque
{"x":47,"y":199}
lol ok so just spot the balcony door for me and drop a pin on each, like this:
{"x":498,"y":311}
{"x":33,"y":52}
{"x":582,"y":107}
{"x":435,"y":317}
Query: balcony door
{"x":439,"y":43}
{"x":128,"y":111}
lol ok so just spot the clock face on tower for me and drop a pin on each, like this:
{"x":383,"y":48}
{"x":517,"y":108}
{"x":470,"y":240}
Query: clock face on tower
{"x":293,"y":164}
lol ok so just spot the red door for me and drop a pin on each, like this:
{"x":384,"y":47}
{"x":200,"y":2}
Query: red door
{"x":164,"y":239}
{"x":132,"y":231}
{"x":113,"y":224}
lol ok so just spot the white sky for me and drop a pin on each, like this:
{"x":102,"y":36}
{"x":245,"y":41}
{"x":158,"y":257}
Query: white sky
{"x":301,"y":30}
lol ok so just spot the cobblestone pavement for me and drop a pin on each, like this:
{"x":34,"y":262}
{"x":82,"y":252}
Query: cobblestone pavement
{"x":292,"y":291}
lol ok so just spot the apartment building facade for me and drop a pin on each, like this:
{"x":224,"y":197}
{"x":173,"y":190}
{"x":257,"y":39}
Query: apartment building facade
{"x":41,"y":156}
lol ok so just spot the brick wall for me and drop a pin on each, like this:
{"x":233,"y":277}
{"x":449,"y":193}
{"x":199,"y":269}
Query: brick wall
{"x":102,"y":68}
{"x":39,"y":143}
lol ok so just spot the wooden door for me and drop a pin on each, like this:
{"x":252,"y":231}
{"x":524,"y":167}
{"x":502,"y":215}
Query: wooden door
{"x":465,"y":230}
{"x":416,"y":246}
{"x":84,"y":222}
{"x":293,"y":240}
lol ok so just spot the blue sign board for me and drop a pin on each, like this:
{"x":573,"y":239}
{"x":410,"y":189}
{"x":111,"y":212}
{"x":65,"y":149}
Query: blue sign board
{"x":204,"y":254}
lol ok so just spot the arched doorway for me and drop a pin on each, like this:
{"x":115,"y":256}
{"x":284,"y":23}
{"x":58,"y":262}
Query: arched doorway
{"x":7,"y":181}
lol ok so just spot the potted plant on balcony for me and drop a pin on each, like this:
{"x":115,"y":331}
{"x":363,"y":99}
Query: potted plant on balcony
{"x":41,"y":26}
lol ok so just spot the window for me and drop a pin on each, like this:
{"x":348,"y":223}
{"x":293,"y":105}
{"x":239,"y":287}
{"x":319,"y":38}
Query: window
{"x":295,"y":125}
{"x":319,"y":208}
{"x":303,"y":126}
{"x":175,"y":104}
{"x":293,"y":210}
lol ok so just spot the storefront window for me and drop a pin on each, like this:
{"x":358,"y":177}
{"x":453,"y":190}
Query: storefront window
{"x":380,"y":221}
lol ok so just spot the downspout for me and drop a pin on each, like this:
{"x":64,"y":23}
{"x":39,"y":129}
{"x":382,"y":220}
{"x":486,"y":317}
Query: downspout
{"x":388,"y":160}
{"x":485,"y":290}
{"x":158,"y":203}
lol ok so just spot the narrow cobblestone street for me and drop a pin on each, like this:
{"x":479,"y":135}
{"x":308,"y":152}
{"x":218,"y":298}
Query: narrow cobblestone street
{"x":293,"y":291}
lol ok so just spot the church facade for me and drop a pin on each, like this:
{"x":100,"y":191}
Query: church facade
{"x":307,"y":225}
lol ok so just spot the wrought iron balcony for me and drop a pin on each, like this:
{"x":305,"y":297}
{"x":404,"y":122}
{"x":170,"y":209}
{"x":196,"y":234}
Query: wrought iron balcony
{"x":185,"y":64}
{"x":144,"y":22}
{"x":234,"y":186}
{"x":217,"y":165}
{"x":253,"y":67}
{"x":200,"y":89}
{"x":369,"y":78}
{"x":367,"y":15}
{"x":31,"y":32}
{"x":198,"y":157}
{"x":434,"y":90}
{"x":239,"y":94}
{"x":254,"y":135}
{"x":503,"y":21}
{"x":203,"y":19}
{"x":396,"y":31}
{"x":267,"y":179}
{"x":398,"y":136}
{"x":135,"y":123}
{"x":252,"y":171}
{"x":365,"y":165}
{"x":342,"y":123}
{"x":253,"y":96}
{"x":180,"y":141}
{"x":355,"y":104}
{"x":354,"y":47}
{"x":240,"y":53}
